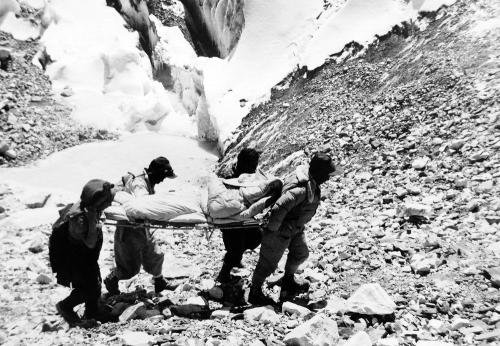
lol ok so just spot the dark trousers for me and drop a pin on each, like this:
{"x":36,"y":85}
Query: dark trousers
{"x":237,"y":242}
{"x":85,"y":277}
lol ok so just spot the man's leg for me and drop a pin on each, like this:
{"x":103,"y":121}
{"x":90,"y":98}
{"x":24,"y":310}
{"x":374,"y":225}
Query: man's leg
{"x":65,"y":307}
{"x":252,"y":238}
{"x":234,"y":244}
{"x":128,"y":256}
{"x":272,"y":248}
{"x":153,"y":262}
{"x":298,"y":252}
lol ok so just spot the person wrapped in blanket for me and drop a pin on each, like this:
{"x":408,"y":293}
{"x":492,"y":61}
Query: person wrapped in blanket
{"x":246,"y":201}
{"x":136,"y":247}
{"x":74,"y":247}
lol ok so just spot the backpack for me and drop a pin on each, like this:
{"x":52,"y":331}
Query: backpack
{"x":59,"y":247}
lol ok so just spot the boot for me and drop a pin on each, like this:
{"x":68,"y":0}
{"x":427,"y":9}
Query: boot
{"x":162,"y":284}
{"x":290,"y":287}
{"x":225,"y":274}
{"x":111,"y":283}
{"x":68,"y":314}
{"x":258,"y":298}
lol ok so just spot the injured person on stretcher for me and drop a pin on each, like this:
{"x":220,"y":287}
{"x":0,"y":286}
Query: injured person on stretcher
{"x":225,"y":201}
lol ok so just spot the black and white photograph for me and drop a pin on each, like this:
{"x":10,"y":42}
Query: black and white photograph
{"x":250,"y":172}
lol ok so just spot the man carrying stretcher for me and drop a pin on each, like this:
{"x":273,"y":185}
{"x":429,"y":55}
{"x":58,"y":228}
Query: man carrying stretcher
{"x":136,"y":247}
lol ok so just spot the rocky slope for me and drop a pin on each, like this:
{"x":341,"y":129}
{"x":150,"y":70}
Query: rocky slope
{"x":414,"y":121}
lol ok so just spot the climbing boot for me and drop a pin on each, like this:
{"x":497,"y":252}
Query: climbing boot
{"x":258,"y":298}
{"x":68,"y":314}
{"x":111,"y":283}
{"x":291,"y":287}
{"x":161,"y":284}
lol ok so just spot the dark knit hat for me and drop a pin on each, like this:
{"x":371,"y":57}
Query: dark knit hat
{"x":321,"y":165}
{"x":93,"y":191}
{"x":247,"y":161}
{"x":161,"y":166}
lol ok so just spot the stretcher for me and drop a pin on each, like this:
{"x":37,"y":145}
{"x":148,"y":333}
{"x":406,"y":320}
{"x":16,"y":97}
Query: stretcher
{"x":208,"y":226}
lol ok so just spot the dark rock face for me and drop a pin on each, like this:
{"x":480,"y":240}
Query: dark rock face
{"x":205,"y":25}
{"x":136,"y":14}
{"x":5,"y":58}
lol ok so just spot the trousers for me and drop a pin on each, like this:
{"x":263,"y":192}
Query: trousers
{"x":237,"y":242}
{"x":272,"y":249}
{"x":136,"y":247}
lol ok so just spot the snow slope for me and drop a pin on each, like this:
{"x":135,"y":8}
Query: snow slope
{"x":280,"y":36}
{"x":267,"y":51}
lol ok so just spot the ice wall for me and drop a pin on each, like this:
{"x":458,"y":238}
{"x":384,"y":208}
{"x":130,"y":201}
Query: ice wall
{"x":178,"y":68}
{"x":107,"y":78}
{"x":136,"y":14}
{"x":219,"y":21}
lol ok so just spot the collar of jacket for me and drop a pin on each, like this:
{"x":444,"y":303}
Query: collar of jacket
{"x":304,"y":178}
{"x":151,"y":189}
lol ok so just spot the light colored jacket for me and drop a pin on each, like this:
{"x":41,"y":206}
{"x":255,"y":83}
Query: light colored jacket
{"x":136,"y":185}
{"x":297,"y":204}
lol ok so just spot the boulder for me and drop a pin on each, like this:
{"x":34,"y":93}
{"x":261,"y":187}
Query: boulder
{"x":43,"y":279}
{"x":220,"y":314}
{"x":420,"y":163}
{"x":37,"y":245}
{"x":416,"y":209}
{"x":494,"y":248}
{"x":361,"y":338}
{"x":433,"y":343}
{"x":206,"y":284}
{"x":494,"y":275}
{"x":318,"y":331}
{"x":136,"y":339}
{"x":388,"y":342}
{"x":216,"y":293}
{"x":371,"y":299}
{"x":458,"y":323}
{"x":423,"y":263}
{"x":131,"y":312}
{"x":36,"y":200}
{"x":263,"y":314}
{"x":493,"y":335}
{"x":294,"y":309}
{"x":196,"y":301}
{"x":335,"y":305}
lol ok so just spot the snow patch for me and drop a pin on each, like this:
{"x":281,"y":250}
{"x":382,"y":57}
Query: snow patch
{"x":359,"y":21}
{"x":64,"y":173}
{"x":20,"y":28}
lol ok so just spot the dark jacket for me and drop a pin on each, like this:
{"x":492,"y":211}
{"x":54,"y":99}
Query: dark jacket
{"x":74,"y":247}
{"x":297,"y":204}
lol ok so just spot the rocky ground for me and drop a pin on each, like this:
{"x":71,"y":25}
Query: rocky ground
{"x":33,"y":123}
{"x":405,"y":247}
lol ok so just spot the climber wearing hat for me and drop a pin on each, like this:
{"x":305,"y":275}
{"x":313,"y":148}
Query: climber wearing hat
{"x":285,"y":229}
{"x":74,"y":247}
{"x":136,"y":247}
